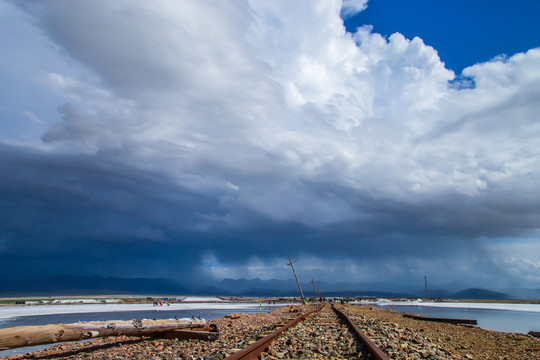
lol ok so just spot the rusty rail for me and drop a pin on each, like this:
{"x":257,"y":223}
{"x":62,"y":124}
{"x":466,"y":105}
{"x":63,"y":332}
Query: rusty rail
{"x":252,"y":351}
{"x":370,"y":345}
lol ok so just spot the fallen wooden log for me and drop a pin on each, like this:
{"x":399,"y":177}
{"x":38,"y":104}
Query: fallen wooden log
{"x":534,"y":333}
{"x":20,"y":336}
{"x":444,"y":320}
{"x":209,"y":333}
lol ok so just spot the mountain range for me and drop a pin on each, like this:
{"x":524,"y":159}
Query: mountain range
{"x":94,"y":285}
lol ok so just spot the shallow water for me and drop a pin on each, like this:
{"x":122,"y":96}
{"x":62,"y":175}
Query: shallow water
{"x":207,"y":314}
{"x":492,"y":319}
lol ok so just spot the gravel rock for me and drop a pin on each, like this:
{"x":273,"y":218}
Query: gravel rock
{"x":405,"y":338}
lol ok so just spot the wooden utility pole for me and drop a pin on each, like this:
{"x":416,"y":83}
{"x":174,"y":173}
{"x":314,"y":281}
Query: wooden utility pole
{"x":314,"y":293}
{"x":425,"y":282}
{"x":297,"y":282}
{"x":320,"y":297}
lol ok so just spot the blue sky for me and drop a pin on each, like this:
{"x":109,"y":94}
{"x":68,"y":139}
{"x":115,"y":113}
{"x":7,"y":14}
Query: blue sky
{"x":463,"y":32}
{"x":200,"y":140}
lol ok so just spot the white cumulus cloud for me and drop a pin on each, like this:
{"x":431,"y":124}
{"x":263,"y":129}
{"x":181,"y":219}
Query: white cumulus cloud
{"x":353,"y":7}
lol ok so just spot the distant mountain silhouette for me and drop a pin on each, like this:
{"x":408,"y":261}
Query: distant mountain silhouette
{"x":87,"y":285}
{"x":82,"y":285}
{"x":99,"y":285}
{"x":474,"y":293}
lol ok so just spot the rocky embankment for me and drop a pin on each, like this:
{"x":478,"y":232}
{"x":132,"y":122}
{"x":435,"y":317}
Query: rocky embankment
{"x":398,"y":337}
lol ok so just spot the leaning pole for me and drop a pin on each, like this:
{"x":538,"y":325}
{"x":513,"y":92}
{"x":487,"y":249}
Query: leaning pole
{"x":297,"y":282}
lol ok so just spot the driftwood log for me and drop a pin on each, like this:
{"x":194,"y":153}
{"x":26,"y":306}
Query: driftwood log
{"x":20,"y":336}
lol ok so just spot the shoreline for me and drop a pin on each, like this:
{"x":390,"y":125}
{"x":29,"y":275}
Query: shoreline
{"x":92,"y":304}
{"x":37,"y":310}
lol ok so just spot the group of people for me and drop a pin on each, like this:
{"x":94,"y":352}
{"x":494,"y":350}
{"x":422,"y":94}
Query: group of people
{"x":159,"y":303}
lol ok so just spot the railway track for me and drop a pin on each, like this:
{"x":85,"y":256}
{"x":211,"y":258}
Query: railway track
{"x":323,"y":332}
{"x":399,"y":342}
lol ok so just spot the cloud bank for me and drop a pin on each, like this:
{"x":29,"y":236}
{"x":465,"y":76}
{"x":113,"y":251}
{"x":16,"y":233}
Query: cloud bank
{"x":215,"y":139}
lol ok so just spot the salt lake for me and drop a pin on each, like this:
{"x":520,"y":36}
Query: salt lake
{"x":520,"y":318}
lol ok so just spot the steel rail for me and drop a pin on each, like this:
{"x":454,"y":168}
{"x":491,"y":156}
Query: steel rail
{"x":254,"y":350}
{"x":370,"y":345}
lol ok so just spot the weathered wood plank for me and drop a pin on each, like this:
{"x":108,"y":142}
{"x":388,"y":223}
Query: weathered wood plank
{"x":444,"y":320}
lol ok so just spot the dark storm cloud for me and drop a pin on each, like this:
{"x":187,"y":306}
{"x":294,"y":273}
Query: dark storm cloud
{"x":94,"y":214}
{"x":64,"y":208}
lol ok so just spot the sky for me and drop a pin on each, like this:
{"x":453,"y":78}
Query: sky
{"x":373,"y":142}
{"x":464,"y":33}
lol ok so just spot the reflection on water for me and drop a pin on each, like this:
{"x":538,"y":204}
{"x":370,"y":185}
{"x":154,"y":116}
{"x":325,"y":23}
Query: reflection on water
{"x":499,"y":320}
